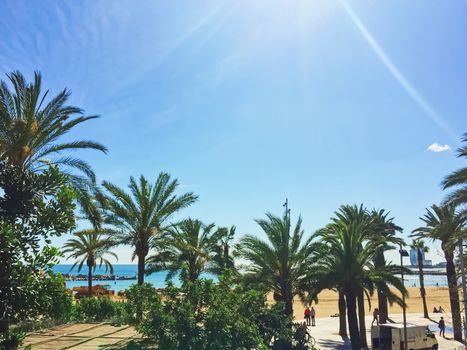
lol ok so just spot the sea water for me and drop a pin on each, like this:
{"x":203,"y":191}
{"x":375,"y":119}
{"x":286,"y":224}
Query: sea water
{"x":158,"y":279}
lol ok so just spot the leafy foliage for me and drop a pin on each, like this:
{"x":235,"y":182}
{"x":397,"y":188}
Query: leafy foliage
{"x":457,"y":180}
{"x":189,"y":244}
{"x":99,"y":310}
{"x":447,"y":225}
{"x":139,"y":301}
{"x":281,"y":263}
{"x":43,"y":209}
{"x":90,"y":246}
{"x":204,"y":315}
{"x":223,"y":259}
{"x":139,"y":217}
{"x":31,"y":127}
{"x":345,"y":251}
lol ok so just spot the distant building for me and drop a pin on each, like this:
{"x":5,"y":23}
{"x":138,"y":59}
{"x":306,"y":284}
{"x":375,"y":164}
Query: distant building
{"x":428,"y":263}
{"x":414,"y":258}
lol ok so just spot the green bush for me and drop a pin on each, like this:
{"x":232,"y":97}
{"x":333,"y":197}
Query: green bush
{"x":11,"y":340}
{"x":139,"y":300}
{"x":99,"y":310}
{"x":56,"y":302}
{"x":203,"y":315}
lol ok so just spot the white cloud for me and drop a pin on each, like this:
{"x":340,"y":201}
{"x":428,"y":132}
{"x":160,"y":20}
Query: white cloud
{"x":436,"y":147}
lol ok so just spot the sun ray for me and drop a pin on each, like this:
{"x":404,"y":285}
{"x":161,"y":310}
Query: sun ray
{"x":397,"y":74}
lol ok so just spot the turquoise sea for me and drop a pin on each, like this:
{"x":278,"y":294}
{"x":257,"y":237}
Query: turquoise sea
{"x":158,"y":278}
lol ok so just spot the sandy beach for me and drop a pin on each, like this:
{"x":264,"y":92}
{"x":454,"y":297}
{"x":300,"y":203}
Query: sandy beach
{"x":327,"y":305}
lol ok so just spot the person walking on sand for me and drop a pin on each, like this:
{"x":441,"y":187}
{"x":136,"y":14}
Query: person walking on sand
{"x":307,"y":315}
{"x":313,"y":314}
{"x":442,"y":327}
{"x":375,"y":317}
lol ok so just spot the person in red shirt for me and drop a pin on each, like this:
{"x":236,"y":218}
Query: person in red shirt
{"x":307,"y":315}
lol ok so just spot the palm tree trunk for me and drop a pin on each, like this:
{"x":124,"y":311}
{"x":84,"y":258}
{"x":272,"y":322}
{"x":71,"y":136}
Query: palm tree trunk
{"x":361,"y":318}
{"x":89,"y":280}
{"x":382,"y":299}
{"x":422,"y":283}
{"x":342,"y":318}
{"x":289,"y":302}
{"x":453,"y":295}
{"x":383,"y":307}
{"x":141,"y":264}
{"x":352,"y":318}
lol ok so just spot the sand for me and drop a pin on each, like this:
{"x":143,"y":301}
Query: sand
{"x":327,"y":305}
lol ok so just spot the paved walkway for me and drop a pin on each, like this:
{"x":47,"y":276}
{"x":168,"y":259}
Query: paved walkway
{"x":87,"y":336}
{"x":81,"y":336}
{"x":326,"y":336}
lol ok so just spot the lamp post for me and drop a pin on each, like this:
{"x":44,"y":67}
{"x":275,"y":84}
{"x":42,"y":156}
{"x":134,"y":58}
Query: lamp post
{"x":287,"y":213}
{"x":403,"y":253}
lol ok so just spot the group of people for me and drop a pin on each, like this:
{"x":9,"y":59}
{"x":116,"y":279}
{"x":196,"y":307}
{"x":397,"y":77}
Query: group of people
{"x":310,"y":315}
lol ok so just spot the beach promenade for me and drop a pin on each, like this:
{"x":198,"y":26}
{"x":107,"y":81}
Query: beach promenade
{"x":326,"y":333}
{"x":106,"y":336}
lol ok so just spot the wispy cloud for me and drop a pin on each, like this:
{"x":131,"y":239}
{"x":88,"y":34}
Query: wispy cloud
{"x":397,"y":74}
{"x":164,"y":117}
{"x":436,"y":147}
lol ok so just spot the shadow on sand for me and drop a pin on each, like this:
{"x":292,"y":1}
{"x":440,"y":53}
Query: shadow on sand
{"x":334,"y":344}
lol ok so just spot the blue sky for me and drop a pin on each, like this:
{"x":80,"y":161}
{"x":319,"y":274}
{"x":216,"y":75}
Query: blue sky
{"x":249,"y":102}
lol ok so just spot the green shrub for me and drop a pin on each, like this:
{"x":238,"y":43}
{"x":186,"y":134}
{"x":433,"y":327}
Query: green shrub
{"x":11,"y":340}
{"x":56,"y":302}
{"x":203,"y":315}
{"x":139,"y":301}
{"x":99,"y":310}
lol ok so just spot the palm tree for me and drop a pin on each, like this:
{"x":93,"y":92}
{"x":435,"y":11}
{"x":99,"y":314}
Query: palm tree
{"x":458,"y":180}
{"x":419,"y":246}
{"x":223,"y":259}
{"x":31,"y":127}
{"x":345,"y":256}
{"x":90,"y":247}
{"x":140,"y":217}
{"x":385,"y":228}
{"x":443,"y":223}
{"x":282,"y":262}
{"x":188,"y":245}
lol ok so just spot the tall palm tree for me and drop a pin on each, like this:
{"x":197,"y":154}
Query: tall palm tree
{"x":443,"y":223}
{"x":282,"y":262}
{"x":419,"y":246}
{"x":458,"y":180}
{"x":385,"y":231}
{"x":223,"y":259}
{"x":90,"y":247}
{"x":345,"y":261}
{"x":188,"y":245}
{"x":141,"y":216}
{"x":31,"y":129}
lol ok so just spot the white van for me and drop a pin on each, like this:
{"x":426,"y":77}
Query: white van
{"x":390,"y":336}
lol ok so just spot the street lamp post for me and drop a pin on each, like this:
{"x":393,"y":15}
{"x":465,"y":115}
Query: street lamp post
{"x":403,"y":253}
{"x":287,"y":213}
